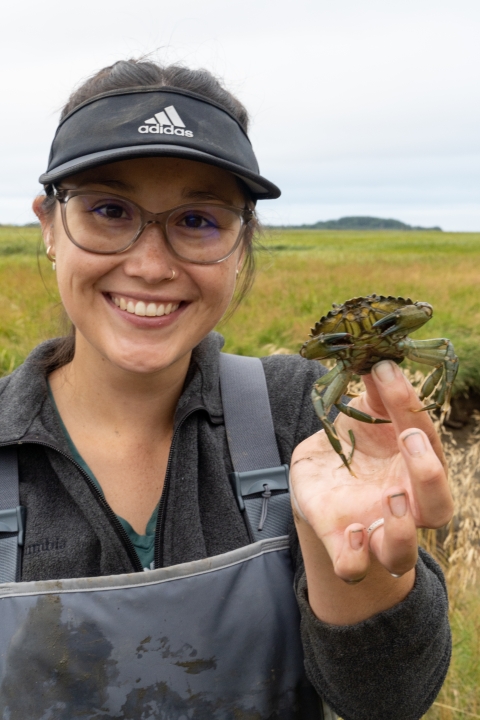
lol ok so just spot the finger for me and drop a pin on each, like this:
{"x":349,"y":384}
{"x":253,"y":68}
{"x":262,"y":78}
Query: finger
{"x":353,"y":560}
{"x":433,"y":499}
{"x":395,"y":543}
{"x":399,"y":399}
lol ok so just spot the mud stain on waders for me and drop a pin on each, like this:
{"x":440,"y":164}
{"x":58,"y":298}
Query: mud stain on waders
{"x":59,"y":669}
{"x":53,"y":665}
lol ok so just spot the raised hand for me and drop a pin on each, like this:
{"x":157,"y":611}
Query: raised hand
{"x":400,"y":477}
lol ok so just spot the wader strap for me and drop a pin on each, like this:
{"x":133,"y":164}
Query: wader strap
{"x":12,"y":516}
{"x":248,"y":418}
{"x":260,"y":482}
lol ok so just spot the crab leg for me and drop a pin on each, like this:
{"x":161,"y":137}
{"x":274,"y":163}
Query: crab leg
{"x":323,"y":404}
{"x":438,"y":352}
{"x":329,"y":376}
{"x":358,"y":414}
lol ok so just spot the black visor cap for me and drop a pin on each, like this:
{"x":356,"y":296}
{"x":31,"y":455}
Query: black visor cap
{"x":164,"y":122}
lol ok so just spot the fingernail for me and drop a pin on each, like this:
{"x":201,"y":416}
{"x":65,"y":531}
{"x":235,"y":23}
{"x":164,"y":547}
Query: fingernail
{"x":415,"y":444}
{"x":385,"y":371}
{"x":356,"y":539}
{"x":398,"y":504}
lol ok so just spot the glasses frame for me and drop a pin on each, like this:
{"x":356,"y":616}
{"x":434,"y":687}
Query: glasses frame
{"x":246,"y":215}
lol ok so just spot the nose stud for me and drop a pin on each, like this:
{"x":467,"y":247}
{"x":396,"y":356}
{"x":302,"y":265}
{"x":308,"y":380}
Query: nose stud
{"x":174,"y":275}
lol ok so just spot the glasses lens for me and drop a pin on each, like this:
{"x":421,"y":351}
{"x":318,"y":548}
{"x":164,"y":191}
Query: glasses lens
{"x":101,"y":223}
{"x":203,"y":233}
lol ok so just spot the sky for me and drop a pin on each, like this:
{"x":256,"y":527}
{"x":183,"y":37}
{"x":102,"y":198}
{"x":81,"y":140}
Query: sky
{"x":357,"y":108}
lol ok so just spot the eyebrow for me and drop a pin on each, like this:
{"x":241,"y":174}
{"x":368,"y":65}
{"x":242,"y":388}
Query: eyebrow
{"x":188,"y":193}
{"x":120,"y":184}
{"x":191,"y":194}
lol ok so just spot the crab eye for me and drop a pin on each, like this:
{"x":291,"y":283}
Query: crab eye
{"x":426,"y":307}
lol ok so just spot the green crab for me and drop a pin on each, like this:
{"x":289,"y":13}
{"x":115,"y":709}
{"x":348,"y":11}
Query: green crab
{"x":361,"y":332}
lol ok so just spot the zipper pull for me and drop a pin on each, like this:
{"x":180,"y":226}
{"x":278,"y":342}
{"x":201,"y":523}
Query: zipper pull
{"x":266,"y":495}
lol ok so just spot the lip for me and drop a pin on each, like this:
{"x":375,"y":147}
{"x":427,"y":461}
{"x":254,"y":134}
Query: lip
{"x":143,"y":321}
{"x":143,"y":297}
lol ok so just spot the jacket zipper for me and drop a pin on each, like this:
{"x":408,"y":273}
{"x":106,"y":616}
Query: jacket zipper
{"x":106,"y":507}
{"x":160,"y":528}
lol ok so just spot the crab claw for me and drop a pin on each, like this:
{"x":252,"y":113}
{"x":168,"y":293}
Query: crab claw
{"x":406,"y":319}
{"x":389,"y":322}
{"x":325,"y":344}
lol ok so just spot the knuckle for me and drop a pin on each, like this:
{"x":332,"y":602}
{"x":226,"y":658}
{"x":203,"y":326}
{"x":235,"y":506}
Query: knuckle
{"x":440,"y":519}
{"x":347,"y":570}
{"x":400,"y":563}
{"x":431,"y":472}
{"x":399,"y":568}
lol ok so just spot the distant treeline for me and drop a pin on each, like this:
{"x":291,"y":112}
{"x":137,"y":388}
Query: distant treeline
{"x":359,"y":223}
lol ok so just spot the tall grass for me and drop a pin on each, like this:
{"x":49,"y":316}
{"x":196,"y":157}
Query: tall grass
{"x":29,"y":308}
{"x":458,"y":551}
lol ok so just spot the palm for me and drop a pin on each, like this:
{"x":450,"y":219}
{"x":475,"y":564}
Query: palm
{"x":330,"y":499}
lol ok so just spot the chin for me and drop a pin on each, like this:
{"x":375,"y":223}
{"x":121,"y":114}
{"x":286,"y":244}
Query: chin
{"x":144,"y":360}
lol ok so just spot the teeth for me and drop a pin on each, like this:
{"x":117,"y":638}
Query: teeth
{"x":144,"y":309}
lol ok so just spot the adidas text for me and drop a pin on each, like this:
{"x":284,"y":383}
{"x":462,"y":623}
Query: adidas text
{"x":167,"y":130}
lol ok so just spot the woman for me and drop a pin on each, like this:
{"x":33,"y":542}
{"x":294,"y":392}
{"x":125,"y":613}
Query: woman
{"x":124,"y":458}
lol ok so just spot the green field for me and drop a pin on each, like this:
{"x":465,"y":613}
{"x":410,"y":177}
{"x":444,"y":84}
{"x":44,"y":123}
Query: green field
{"x":300,"y":273}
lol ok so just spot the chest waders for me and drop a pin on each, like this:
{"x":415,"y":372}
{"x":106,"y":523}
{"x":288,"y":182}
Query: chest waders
{"x":213,"y":639}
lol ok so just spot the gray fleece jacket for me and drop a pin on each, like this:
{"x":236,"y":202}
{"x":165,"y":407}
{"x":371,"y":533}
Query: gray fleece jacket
{"x":388,"y":667}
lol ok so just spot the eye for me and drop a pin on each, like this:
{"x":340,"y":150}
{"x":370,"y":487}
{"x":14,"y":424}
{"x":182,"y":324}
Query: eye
{"x":111,"y":210}
{"x":195,"y":220}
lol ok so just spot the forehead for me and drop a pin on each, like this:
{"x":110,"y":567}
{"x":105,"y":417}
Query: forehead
{"x":161,"y":174}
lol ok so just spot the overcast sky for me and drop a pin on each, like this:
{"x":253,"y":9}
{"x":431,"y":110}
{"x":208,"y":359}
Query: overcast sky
{"x":367,"y":107}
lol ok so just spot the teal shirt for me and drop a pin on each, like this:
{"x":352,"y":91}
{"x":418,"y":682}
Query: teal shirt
{"x":144,"y":544}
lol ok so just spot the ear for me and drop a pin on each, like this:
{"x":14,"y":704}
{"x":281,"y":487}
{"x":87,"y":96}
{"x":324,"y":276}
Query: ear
{"x":46,"y":222}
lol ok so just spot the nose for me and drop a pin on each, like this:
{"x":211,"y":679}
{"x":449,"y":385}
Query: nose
{"x":150,"y":257}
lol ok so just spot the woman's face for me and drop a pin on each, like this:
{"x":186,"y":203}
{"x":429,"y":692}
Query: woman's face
{"x":95,"y":288}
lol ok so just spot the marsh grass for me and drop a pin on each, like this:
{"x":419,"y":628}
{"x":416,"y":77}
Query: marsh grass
{"x":458,"y":551}
{"x":29,"y":308}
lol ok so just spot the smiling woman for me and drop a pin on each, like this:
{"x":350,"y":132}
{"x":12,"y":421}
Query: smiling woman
{"x":140,"y":446}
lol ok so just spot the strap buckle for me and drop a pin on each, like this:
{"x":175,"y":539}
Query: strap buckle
{"x":251,"y":482}
{"x":13,"y":521}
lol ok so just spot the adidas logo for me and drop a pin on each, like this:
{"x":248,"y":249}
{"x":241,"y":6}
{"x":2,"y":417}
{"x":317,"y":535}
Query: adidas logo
{"x":166,"y":122}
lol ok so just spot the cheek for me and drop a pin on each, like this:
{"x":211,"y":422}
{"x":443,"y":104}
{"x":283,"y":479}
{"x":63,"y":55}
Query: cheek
{"x":77,"y":273}
{"x":219,"y":285}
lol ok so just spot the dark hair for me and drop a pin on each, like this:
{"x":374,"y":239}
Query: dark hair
{"x":145,"y":73}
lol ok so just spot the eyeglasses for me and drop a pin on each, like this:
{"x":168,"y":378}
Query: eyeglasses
{"x":106,"y":224}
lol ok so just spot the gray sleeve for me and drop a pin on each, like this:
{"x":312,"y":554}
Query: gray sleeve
{"x":389,"y":666}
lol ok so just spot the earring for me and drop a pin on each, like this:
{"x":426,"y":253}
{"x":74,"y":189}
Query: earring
{"x":51,"y":257}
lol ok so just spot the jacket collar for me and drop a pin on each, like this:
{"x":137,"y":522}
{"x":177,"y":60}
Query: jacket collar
{"x":27,"y":412}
